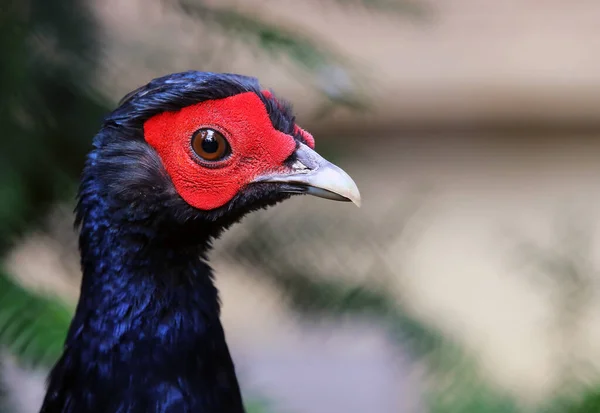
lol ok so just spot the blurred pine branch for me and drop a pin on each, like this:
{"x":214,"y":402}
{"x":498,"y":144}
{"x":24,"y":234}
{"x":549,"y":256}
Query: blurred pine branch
{"x":332,"y":74}
{"x":454,"y":379}
{"x":415,"y":9}
{"x":32,"y":327}
{"x":275,"y":40}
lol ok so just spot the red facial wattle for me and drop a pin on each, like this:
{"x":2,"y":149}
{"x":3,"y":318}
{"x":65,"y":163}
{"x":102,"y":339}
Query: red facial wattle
{"x":257,"y":148}
{"x":308,"y":138}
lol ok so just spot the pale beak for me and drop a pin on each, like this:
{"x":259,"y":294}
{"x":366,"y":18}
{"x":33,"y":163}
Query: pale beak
{"x":314,"y":175}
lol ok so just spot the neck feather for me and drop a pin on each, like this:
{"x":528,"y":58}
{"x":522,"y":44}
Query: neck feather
{"x":146,"y":335}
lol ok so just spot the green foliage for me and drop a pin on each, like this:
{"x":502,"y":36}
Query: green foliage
{"x":258,"y":405}
{"x":456,"y":383}
{"x":273,"y":39}
{"x":47,"y":112}
{"x":32,"y":327}
{"x":590,"y":402}
{"x":283,"y":42}
{"x":416,"y":9}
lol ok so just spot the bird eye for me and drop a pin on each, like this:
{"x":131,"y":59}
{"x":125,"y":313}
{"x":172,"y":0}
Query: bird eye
{"x":210,"y":145}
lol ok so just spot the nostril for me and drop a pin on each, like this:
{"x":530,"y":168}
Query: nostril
{"x":299,"y":166}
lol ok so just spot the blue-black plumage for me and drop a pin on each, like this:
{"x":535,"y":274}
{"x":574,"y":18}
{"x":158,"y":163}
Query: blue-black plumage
{"x":146,"y":335}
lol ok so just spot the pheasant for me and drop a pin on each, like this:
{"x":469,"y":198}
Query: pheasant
{"x":178,"y":161}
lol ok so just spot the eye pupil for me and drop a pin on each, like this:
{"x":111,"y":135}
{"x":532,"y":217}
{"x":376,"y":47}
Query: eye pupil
{"x":210,"y":144}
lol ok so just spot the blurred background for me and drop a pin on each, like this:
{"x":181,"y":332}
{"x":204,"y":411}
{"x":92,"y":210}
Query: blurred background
{"x":468,"y":281}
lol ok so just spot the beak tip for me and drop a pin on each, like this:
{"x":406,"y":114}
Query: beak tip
{"x":355,"y":197}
